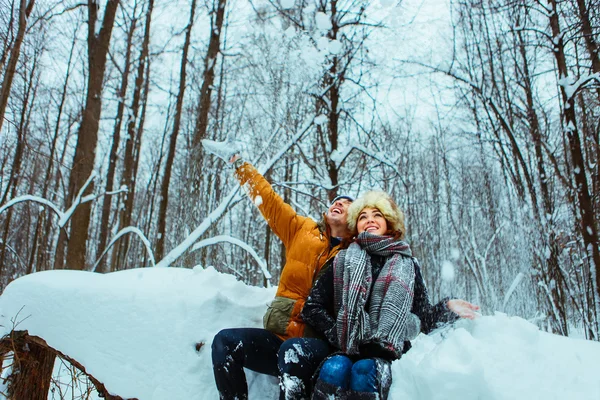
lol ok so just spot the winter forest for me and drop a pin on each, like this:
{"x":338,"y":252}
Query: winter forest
{"x":481,"y":118}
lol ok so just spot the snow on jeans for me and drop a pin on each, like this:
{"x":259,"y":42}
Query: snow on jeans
{"x":259,"y":350}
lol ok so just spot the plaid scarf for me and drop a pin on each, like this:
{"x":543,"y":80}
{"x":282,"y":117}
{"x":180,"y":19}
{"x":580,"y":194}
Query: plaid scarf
{"x":388,"y":319}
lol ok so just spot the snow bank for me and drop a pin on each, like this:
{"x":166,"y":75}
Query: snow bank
{"x":136,"y":331}
{"x":497,"y":357}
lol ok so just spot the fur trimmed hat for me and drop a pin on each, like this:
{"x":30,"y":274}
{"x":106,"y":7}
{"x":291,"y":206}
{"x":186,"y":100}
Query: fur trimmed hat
{"x":384,"y":203}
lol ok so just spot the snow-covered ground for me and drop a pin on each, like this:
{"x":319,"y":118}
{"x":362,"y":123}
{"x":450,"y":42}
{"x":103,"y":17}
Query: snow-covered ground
{"x":136,"y":331}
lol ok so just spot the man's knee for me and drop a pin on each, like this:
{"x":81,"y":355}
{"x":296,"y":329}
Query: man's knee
{"x":224,"y":344}
{"x":290,"y":355}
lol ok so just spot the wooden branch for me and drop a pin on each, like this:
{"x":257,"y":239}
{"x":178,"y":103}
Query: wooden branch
{"x":21,"y":339}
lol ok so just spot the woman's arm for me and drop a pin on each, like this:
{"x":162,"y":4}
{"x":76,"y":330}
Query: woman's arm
{"x":430,"y":316}
{"x":446,"y":311}
{"x":318,"y":308}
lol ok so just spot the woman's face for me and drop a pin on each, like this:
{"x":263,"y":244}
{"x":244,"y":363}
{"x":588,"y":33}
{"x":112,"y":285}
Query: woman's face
{"x":372,"y":221}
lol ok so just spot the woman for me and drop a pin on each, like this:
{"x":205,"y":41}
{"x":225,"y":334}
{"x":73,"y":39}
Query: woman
{"x":371,"y":302}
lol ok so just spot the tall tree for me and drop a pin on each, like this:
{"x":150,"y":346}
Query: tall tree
{"x":116,"y":139}
{"x":208,"y":77}
{"x":24,"y":13}
{"x":164,"y":189}
{"x":87,"y":138}
{"x":134,"y":139}
{"x":588,"y":223}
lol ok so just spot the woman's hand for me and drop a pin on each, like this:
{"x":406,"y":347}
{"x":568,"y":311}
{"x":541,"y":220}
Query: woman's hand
{"x":463,"y":308}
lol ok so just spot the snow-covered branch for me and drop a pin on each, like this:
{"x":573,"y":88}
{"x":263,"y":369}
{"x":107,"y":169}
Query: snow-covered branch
{"x":63,"y":216}
{"x":122,"y":232}
{"x":571,"y":89}
{"x":35,"y":199}
{"x":339,"y":156}
{"x":12,"y":250}
{"x":78,"y":200}
{"x":237,"y":242}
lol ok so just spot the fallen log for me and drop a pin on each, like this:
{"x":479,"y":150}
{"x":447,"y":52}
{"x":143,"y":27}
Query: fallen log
{"x":33,"y":362}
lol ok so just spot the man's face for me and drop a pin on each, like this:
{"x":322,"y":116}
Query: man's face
{"x":338,"y":211}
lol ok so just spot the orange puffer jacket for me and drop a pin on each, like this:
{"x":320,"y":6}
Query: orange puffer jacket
{"x":306,"y":250}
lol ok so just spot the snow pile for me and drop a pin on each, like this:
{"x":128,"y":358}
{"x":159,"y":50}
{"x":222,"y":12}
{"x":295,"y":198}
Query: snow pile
{"x":497,"y":357}
{"x":137,"y":330}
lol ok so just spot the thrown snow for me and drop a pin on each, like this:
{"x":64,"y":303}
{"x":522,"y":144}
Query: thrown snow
{"x":447,"y":271}
{"x":323,"y":21}
{"x":323,"y":43}
{"x":136,"y":331}
{"x":335,"y":47}
{"x":454,"y":253}
{"x":320,"y":119}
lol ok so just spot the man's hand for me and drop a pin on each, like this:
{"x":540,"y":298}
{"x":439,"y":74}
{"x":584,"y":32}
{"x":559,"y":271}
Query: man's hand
{"x":463,"y":308}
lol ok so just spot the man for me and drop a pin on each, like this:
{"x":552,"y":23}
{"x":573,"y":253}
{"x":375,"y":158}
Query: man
{"x":285,"y":347}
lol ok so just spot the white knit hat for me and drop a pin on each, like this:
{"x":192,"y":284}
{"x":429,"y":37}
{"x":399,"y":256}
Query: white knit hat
{"x":384,"y":203}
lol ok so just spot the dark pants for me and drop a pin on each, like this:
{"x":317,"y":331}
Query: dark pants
{"x":259,"y":350}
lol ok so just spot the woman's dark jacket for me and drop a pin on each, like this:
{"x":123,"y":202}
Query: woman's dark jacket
{"x":319,"y":309}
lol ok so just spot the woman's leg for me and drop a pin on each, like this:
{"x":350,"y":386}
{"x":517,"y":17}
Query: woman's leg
{"x":298,"y":360}
{"x":336,"y":371}
{"x":363,"y":377}
{"x":234,"y":349}
{"x":334,"y":379}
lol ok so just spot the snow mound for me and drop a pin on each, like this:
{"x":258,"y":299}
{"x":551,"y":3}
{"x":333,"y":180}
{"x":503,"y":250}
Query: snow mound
{"x":497,"y":357}
{"x":136,"y":331}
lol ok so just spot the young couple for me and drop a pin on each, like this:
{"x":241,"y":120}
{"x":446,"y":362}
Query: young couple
{"x":350,"y":299}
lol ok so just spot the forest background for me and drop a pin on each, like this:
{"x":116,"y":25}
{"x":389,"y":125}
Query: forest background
{"x":481,"y":118}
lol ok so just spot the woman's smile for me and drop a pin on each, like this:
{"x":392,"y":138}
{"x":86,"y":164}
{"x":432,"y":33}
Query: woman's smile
{"x":371,"y":220}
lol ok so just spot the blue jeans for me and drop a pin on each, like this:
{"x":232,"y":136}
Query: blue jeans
{"x":360,"y":376}
{"x":293,"y":360}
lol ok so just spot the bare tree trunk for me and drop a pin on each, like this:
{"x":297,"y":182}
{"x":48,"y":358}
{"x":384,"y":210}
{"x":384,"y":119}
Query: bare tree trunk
{"x":588,"y":36}
{"x":37,"y":253}
{"x":204,"y":103}
{"x":544,"y":218}
{"x":8,"y":42}
{"x":87,"y":138}
{"x":24,"y":12}
{"x":268,"y":234}
{"x":31,"y":374}
{"x":332,"y":81}
{"x":589,"y":229}
{"x":116,"y":138}
{"x":15,"y":175}
{"x":132,"y":143}
{"x":31,"y":364}
{"x":164,"y":188}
